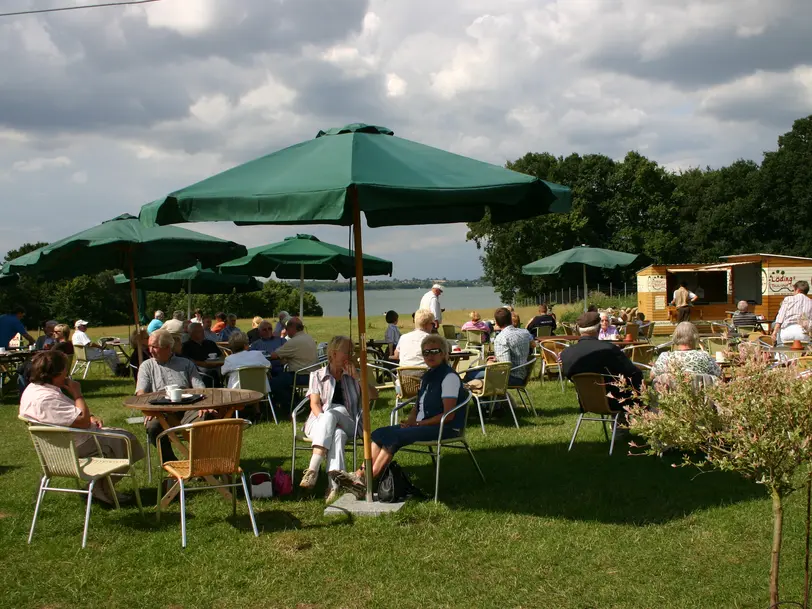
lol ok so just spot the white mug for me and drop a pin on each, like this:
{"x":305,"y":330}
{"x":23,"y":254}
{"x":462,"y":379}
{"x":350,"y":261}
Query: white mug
{"x":175,"y":395}
{"x":720,"y":357}
{"x":169,"y":389}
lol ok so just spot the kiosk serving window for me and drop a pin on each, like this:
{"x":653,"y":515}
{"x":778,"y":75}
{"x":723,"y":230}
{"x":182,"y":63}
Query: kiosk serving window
{"x":709,"y":286}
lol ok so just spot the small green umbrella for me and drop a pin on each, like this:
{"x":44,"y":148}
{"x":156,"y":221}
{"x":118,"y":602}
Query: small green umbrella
{"x":359,"y":168}
{"x":583,"y":255}
{"x":202,"y":281}
{"x":125,"y":243}
{"x":304,"y":257}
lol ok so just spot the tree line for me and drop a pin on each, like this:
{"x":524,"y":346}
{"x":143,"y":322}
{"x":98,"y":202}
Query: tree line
{"x":102,"y":302}
{"x":637,"y":206}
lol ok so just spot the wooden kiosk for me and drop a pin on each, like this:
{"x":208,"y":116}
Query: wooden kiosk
{"x":763,"y":280}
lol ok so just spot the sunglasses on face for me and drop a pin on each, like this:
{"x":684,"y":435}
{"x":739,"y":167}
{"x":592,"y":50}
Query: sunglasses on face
{"x":435,"y":351}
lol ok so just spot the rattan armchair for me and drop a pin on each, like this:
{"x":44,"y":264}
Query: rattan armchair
{"x":407,"y":386}
{"x":592,"y":396}
{"x":551,"y":359}
{"x":494,"y":390}
{"x":214,"y":450}
{"x":521,"y":389}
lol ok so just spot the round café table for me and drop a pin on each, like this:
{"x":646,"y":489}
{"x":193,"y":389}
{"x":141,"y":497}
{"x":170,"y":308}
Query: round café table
{"x":225,"y":402}
{"x":8,"y":365}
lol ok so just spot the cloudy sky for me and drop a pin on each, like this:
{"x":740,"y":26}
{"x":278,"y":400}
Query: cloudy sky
{"x":102,"y":110}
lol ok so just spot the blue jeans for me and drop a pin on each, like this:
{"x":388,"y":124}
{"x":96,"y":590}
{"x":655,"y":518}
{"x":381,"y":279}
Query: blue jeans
{"x":394,"y":437}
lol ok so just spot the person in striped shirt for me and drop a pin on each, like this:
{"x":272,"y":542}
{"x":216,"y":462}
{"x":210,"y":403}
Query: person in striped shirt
{"x":794,"y":309}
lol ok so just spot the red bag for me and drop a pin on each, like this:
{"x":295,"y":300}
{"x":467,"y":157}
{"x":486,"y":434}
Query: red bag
{"x":282,"y":483}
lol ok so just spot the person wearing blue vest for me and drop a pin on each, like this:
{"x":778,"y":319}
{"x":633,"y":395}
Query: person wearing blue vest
{"x":440,"y":391}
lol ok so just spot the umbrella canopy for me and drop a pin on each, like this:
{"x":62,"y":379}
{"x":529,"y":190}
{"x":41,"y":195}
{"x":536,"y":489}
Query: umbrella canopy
{"x":398,"y":182}
{"x":203,"y":281}
{"x":125,"y":243}
{"x":7,"y":280}
{"x":359,"y":168}
{"x":321,"y":260}
{"x":583,"y":255}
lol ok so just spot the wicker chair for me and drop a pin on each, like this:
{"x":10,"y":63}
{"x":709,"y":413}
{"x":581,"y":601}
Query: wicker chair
{"x":521,"y":390}
{"x":714,"y":345}
{"x":458,"y":441}
{"x":56,"y":449}
{"x":591,"y":388}
{"x":214,"y":450}
{"x":407,"y":386}
{"x":641,"y":354}
{"x":494,"y":390}
{"x":633,"y":329}
{"x":302,"y":442}
{"x":551,"y":359}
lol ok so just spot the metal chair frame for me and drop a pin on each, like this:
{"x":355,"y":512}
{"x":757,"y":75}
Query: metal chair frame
{"x":406,"y":392}
{"x":588,"y":407}
{"x":245,"y":380}
{"x":303,"y":438}
{"x":555,"y":356}
{"x":69,"y":465}
{"x":82,"y":363}
{"x":191,"y":429}
{"x":304,"y":371}
{"x":458,"y":442}
{"x":521,"y":390}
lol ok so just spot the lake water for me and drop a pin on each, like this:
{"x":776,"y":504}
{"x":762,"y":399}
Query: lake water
{"x":406,"y":302}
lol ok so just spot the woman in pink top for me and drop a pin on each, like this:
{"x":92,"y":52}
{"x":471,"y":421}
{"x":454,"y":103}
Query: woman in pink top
{"x":476,"y":323}
{"x":44,"y":402}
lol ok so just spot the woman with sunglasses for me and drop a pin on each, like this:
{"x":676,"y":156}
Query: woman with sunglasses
{"x":440,"y":391}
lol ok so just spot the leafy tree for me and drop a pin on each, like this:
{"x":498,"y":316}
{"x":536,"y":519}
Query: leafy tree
{"x":23,"y":249}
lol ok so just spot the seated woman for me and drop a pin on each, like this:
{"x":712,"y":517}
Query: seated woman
{"x":253,"y":333}
{"x":335,"y":398}
{"x":241,"y":357}
{"x":62,"y":339}
{"x":607,"y":331}
{"x":408,"y":348}
{"x":440,"y":391}
{"x":476,"y":323}
{"x":43,"y":402}
{"x":686,"y":356}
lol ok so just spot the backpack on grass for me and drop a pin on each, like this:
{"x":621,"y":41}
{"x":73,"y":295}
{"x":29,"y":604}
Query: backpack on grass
{"x":394,"y":485}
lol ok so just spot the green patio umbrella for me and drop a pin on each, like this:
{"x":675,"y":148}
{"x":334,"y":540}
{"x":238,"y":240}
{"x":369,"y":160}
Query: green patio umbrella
{"x":304,"y":257}
{"x":361,"y":168}
{"x":197,"y":279}
{"x":8,"y":279}
{"x":583,"y":255}
{"x":125,"y":243}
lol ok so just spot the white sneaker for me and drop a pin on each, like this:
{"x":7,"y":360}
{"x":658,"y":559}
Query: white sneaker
{"x":309,"y":478}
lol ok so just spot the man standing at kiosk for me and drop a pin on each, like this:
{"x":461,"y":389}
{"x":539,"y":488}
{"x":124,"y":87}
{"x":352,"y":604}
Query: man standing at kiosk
{"x":682,"y":299}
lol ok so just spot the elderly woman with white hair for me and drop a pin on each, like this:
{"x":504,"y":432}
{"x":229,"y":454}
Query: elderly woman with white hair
{"x":408,"y":350}
{"x":335,"y":407}
{"x":607,"y":331}
{"x":686,"y":356}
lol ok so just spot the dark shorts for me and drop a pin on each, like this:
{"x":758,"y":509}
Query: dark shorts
{"x":395,"y":437}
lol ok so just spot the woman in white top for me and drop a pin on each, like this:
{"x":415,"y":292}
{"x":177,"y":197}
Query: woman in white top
{"x":335,"y":397}
{"x":43,"y":402}
{"x":408,"y":350}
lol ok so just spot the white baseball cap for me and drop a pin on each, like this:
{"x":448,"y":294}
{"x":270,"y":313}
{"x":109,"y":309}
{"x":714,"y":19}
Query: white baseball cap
{"x":80,"y":322}
{"x":437,"y":286}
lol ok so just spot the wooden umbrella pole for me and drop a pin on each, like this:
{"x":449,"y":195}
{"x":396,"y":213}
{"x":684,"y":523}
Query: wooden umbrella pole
{"x":135,"y":308}
{"x":362,"y":339}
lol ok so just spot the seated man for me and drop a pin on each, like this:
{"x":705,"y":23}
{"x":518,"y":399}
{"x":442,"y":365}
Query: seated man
{"x":174,"y":325}
{"x":166,"y":368}
{"x":742,"y":316}
{"x":208,"y":332}
{"x":230,"y":327}
{"x":11,"y":324}
{"x":602,"y":357}
{"x":198,"y":349}
{"x":268,"y":343}
{"x":298,"y":352}
{"x":47,"y":340}
{"x":156,"y":323}
{"x":541,"y":320}
{"x":512,"y":345}
{"x":93,"y":351}
{"x":241,"y":357}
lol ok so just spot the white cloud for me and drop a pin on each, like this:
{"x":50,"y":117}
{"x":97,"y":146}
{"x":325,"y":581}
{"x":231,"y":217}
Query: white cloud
{"x":395,"y":85}
{"x":40,"y":163}
{"x":189,"y":17}
{"x":79,"y":177}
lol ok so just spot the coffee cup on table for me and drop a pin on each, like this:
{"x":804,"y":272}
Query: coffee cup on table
{"x":169,"y":389}
{"x":175,"y":395}
{"x":2,"y":349}
{"x":720,"y":357}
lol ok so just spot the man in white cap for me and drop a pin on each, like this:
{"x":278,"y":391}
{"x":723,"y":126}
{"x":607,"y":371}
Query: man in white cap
{"x":431,"y":301}
{"x":93,"y":351}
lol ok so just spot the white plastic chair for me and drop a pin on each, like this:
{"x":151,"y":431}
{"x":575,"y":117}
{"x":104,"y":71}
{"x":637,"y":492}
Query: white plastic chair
{"x":255,"y":378}
{"x":81,"y":362}
{"x":56,"y":450}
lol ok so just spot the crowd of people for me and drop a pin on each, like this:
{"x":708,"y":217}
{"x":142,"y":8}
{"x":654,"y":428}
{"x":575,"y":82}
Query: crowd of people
{"x":196,"y":353}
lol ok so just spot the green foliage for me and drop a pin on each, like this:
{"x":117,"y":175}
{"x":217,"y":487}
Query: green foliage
{"x":24,"y":249}
{"x":637,"y":206}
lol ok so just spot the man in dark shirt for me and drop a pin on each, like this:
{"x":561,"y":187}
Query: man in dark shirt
{"x":198,"y":348}
{"x":541,"y":320}
{"x":600,"y":356}
{"x":742,"y":316}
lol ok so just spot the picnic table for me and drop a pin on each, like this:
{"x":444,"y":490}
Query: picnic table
{"x":225,"y":402}
{"x":9,"y":361}
{"x":457,"y":356}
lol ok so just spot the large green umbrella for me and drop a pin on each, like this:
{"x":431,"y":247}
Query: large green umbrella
{"x":197,"y":279}
{"x":361,"y":168}
{"x":304,"y":257}
{"x":125,"y":243}
{"x":583,"y":255}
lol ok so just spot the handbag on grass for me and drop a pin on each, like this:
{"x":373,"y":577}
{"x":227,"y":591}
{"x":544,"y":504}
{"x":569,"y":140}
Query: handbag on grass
{"x":394,"y":485}
{"x":282,"y":482}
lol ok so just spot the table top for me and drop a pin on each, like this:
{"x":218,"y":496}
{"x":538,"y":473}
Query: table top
{"x":562,"y":337}
{"x":461,"y":355}
{"x":215,"y":398}
{"x":18,"y":353}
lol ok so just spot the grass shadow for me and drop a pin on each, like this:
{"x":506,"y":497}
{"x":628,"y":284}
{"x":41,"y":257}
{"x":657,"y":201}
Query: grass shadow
{"x":585,"y":484}
{"x":4,"y":469}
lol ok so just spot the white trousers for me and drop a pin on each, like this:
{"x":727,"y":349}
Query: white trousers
{"x":793,"y":333}
{"x":330,"y":430}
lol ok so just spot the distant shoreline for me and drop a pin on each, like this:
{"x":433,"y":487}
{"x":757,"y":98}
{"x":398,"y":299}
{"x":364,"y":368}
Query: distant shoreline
{"x":344,"y":286}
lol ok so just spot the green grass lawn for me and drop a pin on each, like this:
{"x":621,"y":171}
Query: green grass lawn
{"x":550,"y":528}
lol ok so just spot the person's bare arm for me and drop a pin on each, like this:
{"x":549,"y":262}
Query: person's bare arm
{"x":85,"y":419}
{"x":448,"y":404}
{"x":315,"y":404}
{"x":31,"y":340}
